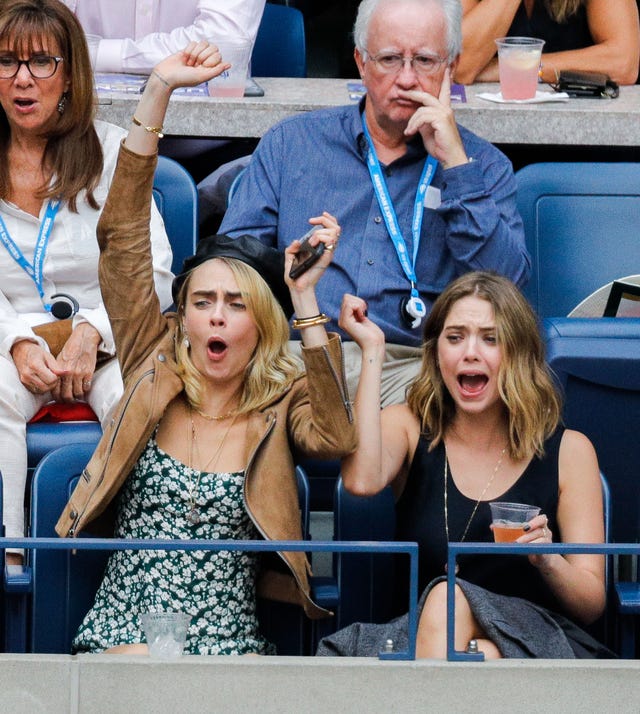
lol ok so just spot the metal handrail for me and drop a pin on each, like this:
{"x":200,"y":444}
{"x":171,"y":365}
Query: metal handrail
{"x":456,"y":549}
{"x":401,"y":547}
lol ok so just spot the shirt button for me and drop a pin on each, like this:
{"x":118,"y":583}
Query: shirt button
{"x":161,"y":358}
{"x":377,"y":219}
{"x":73,"y":515}
{"x":370,"y":262}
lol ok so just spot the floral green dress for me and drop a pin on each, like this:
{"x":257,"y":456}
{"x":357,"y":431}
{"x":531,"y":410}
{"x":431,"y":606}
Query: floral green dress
{"x":216,"y":588}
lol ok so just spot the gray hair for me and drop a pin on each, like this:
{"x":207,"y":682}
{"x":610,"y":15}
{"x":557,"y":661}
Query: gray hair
{"x":453,"y":20}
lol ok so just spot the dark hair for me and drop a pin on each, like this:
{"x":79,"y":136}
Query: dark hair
{"x":73,"y":150}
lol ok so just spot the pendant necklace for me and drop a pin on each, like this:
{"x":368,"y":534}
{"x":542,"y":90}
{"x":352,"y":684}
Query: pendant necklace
{"x":475,"y":508}
{"x":193,"y":512}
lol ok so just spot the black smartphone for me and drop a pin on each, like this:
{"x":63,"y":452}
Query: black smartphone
{"x":307,"y":255}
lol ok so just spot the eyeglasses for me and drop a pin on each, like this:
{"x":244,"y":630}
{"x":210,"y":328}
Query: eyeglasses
{"x":391,"y":63}
{"x":39,"y":66}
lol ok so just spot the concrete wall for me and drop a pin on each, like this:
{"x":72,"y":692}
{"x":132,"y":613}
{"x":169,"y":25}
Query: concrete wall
{"x":108,"y":683}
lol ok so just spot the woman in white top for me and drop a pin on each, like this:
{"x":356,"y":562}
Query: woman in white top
{"x":137,"y":34}
{"x":55,"y":173}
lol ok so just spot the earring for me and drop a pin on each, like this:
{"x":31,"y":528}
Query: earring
{"x":62,"y":103}
{"x":186,"y":342}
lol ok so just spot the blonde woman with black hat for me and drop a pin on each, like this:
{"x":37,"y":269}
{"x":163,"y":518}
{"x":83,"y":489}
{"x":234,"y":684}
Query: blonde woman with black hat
{"x":214,"y":413}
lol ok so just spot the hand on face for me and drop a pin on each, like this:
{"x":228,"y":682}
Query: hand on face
{"x":197,"y":63}
{"x":329,"y":233}
{"x":434,"y":120}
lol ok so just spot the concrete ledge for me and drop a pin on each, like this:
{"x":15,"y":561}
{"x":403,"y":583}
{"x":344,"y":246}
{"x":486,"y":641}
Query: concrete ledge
{"x":107,"y":683}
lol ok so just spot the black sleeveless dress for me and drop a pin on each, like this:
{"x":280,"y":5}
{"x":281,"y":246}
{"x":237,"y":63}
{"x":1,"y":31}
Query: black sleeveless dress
{"x":420,"y":518}
{"x":571,"y":35}
{"x":506,"y":594}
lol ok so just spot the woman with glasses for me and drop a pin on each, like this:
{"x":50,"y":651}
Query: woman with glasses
{"x":57,"y":162}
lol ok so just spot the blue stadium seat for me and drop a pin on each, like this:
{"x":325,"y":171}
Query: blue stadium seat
{"x":177,"y":200}
{"x":322,"y":476}
{"x":365,"y":581}
{"x":597,"y":363}
{"x":176,"y":197}
{"x":280,"y":47}
{"x":581,"y":222}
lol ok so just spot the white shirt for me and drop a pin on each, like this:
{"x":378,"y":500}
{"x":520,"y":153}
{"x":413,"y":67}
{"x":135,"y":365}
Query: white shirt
{"x":71,"y":262}
{"x":139,"y":33}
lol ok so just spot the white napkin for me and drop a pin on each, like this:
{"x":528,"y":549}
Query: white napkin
{"x":539,"y":98}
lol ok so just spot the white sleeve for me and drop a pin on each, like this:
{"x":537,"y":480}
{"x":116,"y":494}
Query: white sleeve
{"x":213,"y":18}
{"x":14,"y":327}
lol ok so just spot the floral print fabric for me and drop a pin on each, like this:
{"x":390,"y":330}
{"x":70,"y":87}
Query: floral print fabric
{"x":216,"y":588}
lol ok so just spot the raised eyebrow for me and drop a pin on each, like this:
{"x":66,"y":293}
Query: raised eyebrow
{"x":213,"y":293}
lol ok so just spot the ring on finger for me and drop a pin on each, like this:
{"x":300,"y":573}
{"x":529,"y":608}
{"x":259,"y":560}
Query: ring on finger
{"x":329,"y":246}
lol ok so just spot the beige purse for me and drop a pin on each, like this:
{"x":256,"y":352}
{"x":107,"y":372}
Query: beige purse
{"x":55,"y":334}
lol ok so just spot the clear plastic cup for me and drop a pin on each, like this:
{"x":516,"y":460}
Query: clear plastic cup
{"x":508,"y":519}
{"x":231,"y":82}
{"x":166,"y":633}
{"x":519,"y":64}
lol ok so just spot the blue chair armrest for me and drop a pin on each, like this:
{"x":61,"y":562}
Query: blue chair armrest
{"x":324,"y":592}
{"x":628,"y":597}
{"x":18,"y":584}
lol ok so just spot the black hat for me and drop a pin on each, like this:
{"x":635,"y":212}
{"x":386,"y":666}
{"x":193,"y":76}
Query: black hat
{"x":268,"y":262}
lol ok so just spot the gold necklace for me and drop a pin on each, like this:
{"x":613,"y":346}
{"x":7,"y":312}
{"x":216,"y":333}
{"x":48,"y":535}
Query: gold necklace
{"x":193,"y":513}
{"x":215,"y":417}
{"x":475,"y":508}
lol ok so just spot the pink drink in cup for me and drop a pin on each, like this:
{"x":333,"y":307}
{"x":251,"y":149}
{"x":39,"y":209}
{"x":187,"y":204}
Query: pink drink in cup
{"x":519,"y":64}
{"x":232,"y":82}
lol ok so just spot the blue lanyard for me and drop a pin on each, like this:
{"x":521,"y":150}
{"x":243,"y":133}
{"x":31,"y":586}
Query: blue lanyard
{"x":33,"y":271}
{"x":389,"y":214}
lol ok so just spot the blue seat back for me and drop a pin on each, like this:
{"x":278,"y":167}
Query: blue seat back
{"x":365,"y":581}
{"x":176,"y":197}
{"x":64,"y":583}
{"x":280,"y":47}
{"x":597,"y":363}
{"x":581,"y":227}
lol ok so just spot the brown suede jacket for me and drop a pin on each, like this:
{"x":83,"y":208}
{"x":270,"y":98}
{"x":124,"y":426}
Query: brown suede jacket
{"x":313,"y":417}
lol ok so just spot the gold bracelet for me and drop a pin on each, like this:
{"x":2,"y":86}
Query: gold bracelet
{"x":302,"y":322}
{"x":151,"y":129}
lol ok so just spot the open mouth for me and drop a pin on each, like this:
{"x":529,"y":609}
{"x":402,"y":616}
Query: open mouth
{"x":216,"y":347}
{"x":472,"y":383}
{"x":24,"y":103}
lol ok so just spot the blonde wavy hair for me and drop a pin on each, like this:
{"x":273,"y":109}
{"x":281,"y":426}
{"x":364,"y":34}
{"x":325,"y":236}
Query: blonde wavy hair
{"x":525,"y":384}
{"x":562,"y":10}
{"x":272,"y":368}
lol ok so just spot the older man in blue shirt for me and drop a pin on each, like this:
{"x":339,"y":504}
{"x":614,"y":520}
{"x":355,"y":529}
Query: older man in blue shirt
{"x":420,"y":199}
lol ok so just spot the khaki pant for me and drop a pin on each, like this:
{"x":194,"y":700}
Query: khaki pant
{"x":401,"y":366}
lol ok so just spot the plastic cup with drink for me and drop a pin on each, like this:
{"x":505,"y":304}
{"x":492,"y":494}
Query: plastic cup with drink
{"x":232,"y":82}
{"x":519,"y":65}
{"x":508,"y":520}
{"x":166,"y":633}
